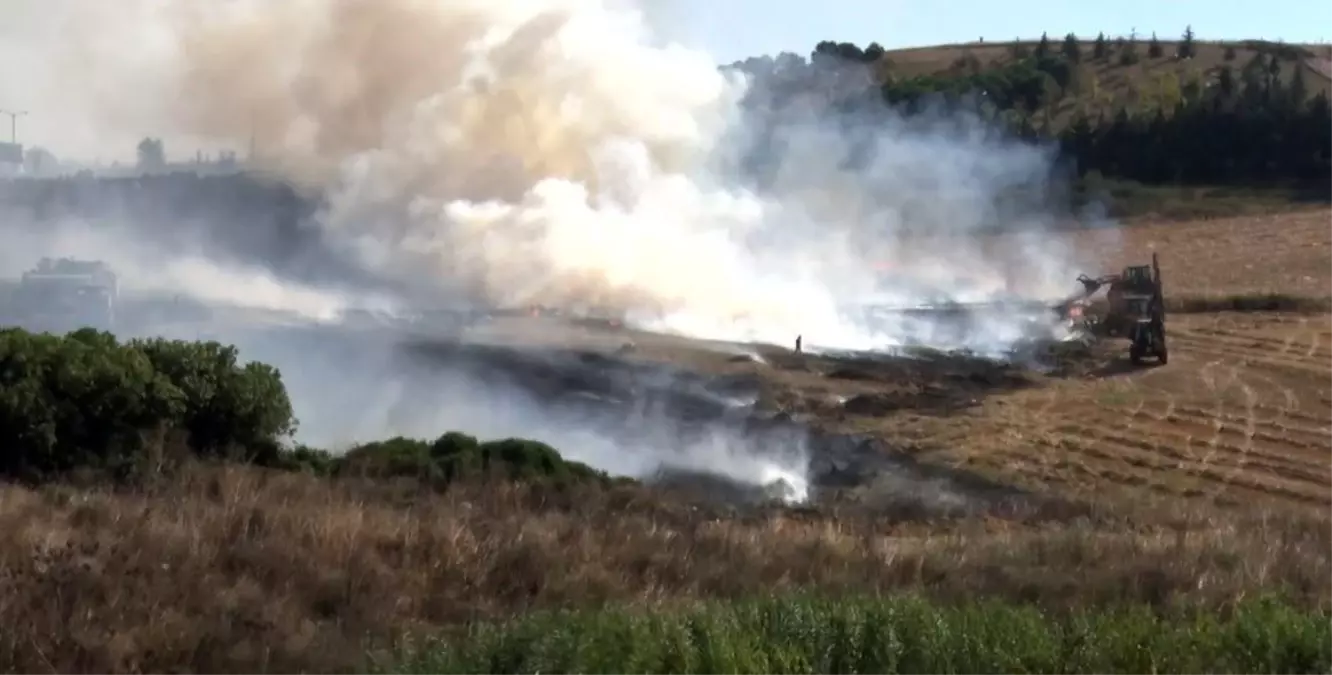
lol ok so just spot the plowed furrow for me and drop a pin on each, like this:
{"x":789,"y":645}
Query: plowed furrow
{"x":1071,"y":462}
{"x":1193,"y":346}
{"x":1213,"y":483}
{"x":1202,"y":456}
{"x":1256,"y":443}
{"x":1295,"y":422}
{"x":1307,"y":345}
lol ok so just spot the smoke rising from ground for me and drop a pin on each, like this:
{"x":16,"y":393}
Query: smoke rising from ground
{"x":541,"y":152}
{"x":553,"y":152}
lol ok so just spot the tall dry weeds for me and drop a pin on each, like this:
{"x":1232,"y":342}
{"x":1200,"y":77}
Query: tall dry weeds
{"x":230,"y":568}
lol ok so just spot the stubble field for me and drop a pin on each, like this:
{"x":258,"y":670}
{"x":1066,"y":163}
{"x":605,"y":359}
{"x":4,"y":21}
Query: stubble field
{"x":1243,"y":411}
{"x":1241,"y":414}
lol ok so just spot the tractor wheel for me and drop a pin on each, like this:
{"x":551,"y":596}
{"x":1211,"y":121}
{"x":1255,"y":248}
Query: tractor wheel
{"x":1135,"y":354}
{"x":1163,"y":355}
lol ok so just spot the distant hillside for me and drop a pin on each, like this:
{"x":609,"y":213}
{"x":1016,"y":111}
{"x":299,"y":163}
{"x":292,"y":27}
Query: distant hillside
{"x":1127,"y":76}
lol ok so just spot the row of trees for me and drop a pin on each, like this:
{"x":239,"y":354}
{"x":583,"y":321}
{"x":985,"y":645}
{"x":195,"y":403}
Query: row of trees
{"x":1251,"y":124}
{"x":1263,"y":131}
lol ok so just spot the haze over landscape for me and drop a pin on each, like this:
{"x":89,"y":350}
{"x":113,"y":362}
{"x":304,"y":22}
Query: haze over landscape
{"x":749,"y":338}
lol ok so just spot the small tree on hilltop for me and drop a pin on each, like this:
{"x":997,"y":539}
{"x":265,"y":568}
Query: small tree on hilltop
{"x":1128,"y":54}
{"x":1099,"y":48}
{"x":1071,"y":49}
{"x":1154,"y":50}
{"x":1186,"y":49}
{"x":1043,"y":47}
{"x":1019,"y":50}
{"x":151,"y":154}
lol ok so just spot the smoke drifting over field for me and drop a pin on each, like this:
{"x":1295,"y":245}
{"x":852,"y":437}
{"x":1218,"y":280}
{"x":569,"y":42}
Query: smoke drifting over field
{"x":554,"y":152}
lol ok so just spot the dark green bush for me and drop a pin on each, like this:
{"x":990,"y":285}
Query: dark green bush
{"x":392,"y":458}
{"x":460,"y":457}
{"x":84,"y":400}
{"x":228,"y":406}
{"x":303,"y":458}
{"x":456,"y":456}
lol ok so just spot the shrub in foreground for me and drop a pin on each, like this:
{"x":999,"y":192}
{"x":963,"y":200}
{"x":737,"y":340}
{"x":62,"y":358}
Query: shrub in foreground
{"x":895,"y":635}
{"x":85,"y":400}
{"x":455,"y":457}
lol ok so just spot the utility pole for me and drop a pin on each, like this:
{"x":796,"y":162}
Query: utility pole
{"x":13,"y":123}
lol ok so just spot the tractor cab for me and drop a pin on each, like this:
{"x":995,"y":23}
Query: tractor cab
{"x":1138,"y":278}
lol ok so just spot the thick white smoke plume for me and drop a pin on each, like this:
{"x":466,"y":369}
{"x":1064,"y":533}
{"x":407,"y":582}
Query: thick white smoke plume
{"x":553,"y":152}
{"x":537,"y":152}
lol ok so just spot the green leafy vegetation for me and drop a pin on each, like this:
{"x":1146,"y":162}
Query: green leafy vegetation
{"x":885,"y":635}
{"x":456,"y":457}
{"x":1179,"y":120}
{"x":85,"y":401}
{"x":88,"y":401}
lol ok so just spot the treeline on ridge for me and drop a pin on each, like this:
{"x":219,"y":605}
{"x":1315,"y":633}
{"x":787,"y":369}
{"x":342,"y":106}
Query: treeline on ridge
{"x":87,"y":403}
{"x":1234,"y":124}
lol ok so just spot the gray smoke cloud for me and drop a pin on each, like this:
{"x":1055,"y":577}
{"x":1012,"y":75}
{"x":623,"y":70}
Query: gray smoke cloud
{"x":536,"y":152}
{"x":555,"y":152}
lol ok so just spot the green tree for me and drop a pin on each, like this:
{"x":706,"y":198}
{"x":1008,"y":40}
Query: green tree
{"x":1129,"y":54}
{"x":1225,"y":82}
{"x":1100,"y":48}
{"x":1071,"y":49}
{"x":229,"y":407}
{"x":1191,"y":88}
{"x":1186,"y":49}
{"x":1298,"y":91}
{"x":1043,"y":47}
{"x":1168,"y":91}
{"x":80,"y":400}
{"x":1154,"y":50}
{"x":151,"y":154}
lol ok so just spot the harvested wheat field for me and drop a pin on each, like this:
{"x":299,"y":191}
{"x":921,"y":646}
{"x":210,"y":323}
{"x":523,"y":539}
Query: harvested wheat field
{"x":1244,"y":409}
{"x":1242,"y":412}
{"x":1286,"y":253}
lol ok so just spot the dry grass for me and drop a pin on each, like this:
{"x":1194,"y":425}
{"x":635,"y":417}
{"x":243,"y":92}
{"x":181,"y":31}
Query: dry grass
{"x":1287,"y":253}
{"x":240,"y":569}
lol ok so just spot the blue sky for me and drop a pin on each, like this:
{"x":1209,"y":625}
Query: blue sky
{"x":736,"y":29}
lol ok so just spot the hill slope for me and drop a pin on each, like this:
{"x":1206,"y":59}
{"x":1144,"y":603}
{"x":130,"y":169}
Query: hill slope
{"x":1126,"y":76}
